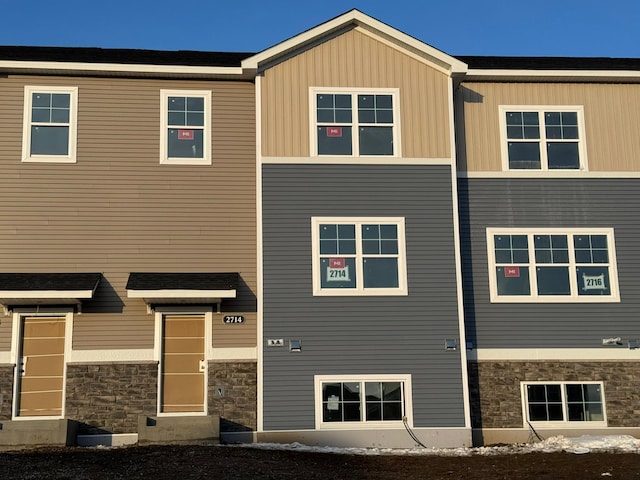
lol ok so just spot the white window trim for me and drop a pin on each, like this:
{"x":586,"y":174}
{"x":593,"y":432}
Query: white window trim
{"x":534,"y":297}
{"x":359,"y":290}
{"x":29,"y":90}
{"x":313,"y":133}
{"x":206,"y":136}
{"x":318,"y":380}
{"x":540,"y":109}
{"x":565,"y":423}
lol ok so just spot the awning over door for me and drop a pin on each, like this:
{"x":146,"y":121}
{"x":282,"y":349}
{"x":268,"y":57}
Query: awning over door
{"x":181,"y":288}
{"x":24,"y":289}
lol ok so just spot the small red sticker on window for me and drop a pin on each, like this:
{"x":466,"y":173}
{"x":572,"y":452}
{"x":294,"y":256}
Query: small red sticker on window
{"x":336,"y":263}
{"x":334,"y":131}
{"x":185,"y":135}
{"x":511,"y":271}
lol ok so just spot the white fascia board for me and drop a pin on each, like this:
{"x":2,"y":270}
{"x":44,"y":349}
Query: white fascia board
{"x":26,"y":294}
{"x":169,"y":294}
{"x":183,"y":70}
{"x":575,"y":75}
{"x":358,"y":18}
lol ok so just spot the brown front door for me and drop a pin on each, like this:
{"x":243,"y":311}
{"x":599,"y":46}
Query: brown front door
{"x":40,"y":373}
{"x":183,"y":367}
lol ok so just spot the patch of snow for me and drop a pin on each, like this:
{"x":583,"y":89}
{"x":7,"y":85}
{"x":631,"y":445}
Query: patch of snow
{"x":577,"y":445}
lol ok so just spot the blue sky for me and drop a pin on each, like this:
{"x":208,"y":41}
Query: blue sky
{"x":586,"y":28}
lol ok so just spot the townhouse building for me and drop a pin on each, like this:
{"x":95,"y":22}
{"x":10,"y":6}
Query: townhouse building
{"x":128,"y":220}
{"x":350,"y":238}
{"x":548,"y":192}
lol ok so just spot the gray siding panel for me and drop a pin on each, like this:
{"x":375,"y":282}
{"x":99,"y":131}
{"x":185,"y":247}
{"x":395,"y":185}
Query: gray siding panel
{"x":569,"y":203}
{"x":360,"y":335}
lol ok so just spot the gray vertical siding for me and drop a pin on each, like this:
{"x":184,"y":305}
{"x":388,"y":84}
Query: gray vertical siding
{"x":569,"y":203}
{"x":360,"y":335}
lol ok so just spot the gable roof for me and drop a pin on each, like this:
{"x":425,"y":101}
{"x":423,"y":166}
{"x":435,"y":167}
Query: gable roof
{"x":353,"y":18}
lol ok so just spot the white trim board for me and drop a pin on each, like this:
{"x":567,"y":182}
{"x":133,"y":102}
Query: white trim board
{"x":603,"y":353}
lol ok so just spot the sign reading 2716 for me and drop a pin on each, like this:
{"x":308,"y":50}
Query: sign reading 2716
{"x":233,"y":319}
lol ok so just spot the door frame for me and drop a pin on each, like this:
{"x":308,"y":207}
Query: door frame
{"x":207,"y":313}
{"x":16,"y":351}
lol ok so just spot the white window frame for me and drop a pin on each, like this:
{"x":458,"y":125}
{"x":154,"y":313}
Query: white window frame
{"x":534,"y":297}
{"x":206,"y":128}
{"x":359,"y":290}
{"x":72,"y":125}
{"x":354,"y":92}
{"x":542,"y":140}
{"x":565,"y":423}
{"x":405,"y":379}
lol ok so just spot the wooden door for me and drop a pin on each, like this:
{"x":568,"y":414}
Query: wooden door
{"x":40,"y":374}
{"x":183,"y":367}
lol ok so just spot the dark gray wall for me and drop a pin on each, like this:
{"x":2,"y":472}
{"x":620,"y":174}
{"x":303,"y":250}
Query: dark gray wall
{"x":359,"y":335}
{"x":570,"y":203}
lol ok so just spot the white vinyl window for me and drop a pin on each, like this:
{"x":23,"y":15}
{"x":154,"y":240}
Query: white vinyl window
{"x":552,"y":265}
{"x":562,"y":403}
{"x":355,"y":122}
{"x":50,"y":124}
{"x":362,"y":401}
{"x":185,"y":135}
{"x":543,"y":138}
{"x":359,"y":256}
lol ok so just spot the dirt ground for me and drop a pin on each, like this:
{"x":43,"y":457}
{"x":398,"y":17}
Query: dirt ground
{"x":185,"y":462}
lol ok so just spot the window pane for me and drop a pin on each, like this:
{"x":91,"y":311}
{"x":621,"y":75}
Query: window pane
{"x":524,"y":155}
{"x":392,"y":391}
{"x":556,"y":412}
{"x":329,"y":231}
{"x":49,"y":140}
{"x":591,"y":393}
{"x":374,"y":411}
{"x":574,"y":393}
{"x":371,"y":231}
{"x":41,"y":100}
{"x":195,"y":119}
{"x":376,"y":141}
{"x":536,"y":393}
{"x":593,"y":281}
{"x":185,"y":143}
{"x":513,"y":281}
{"x":392,"y":411}
{"x":176,"y":118}
{"x":351,"y":391}
{"x":195,"y":104}
{"x":338,"y":272}
{"x":59,"y":115}
{"x":553,"y":281}
{"x":380,"y":272}
{"x":352,"y":412}
{"x":176,"y":104}
{"x":41,"y":115}
{"x":563,"y":156}
{"x":538,"y":413}
{"x":334,"y":140}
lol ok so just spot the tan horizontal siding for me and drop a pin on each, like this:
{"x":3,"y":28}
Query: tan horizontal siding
{"x":354,"y":59}
{"x":610,"y":116}
{"x":117,"y":210}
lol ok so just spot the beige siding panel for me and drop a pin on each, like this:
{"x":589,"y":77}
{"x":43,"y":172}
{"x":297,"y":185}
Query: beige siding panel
{"x":610,"y":115}
{"x":354,"y":59}
{"x":117,"y":210}
{"x":5,"y":334}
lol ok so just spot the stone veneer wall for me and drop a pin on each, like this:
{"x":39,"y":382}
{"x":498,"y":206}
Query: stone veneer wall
{"x":109,"y":397}
{"x":495,"y":389}
{"x":6,"y":391}
{"x":238,"y":406}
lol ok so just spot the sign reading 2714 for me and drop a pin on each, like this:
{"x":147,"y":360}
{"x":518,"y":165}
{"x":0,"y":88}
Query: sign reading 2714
{"x":337,"y":271}
{"x":233,"y":319}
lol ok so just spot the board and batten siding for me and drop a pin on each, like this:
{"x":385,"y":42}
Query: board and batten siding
{"x":355,"y":59}
{"x":368,"y":334}
{"x":557,"y":203}
{"x":117,"y":210}
{"x":610,"y":116}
